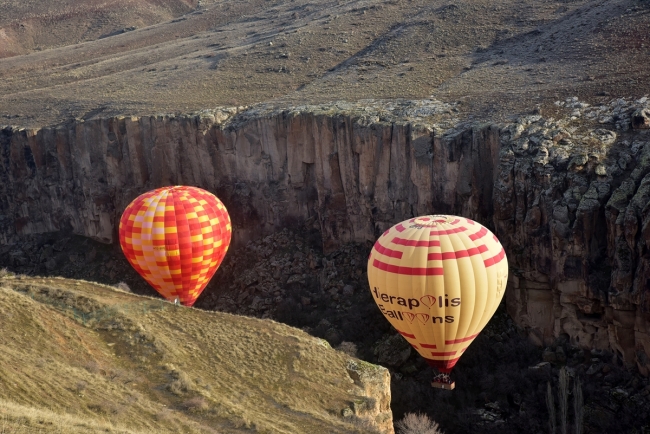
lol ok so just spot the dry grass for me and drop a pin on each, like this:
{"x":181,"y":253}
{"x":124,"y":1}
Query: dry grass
{"x":21,"y":419}
{"x":147,"y":366}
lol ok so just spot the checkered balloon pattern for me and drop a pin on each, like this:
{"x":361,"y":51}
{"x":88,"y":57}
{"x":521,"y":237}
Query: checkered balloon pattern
{"x":176,"y":238}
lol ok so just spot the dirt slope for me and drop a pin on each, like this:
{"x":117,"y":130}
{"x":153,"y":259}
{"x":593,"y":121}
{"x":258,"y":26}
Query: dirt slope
{"x":27,"y":26}
{"x":497,"y":57}
{"x":83,"y":357}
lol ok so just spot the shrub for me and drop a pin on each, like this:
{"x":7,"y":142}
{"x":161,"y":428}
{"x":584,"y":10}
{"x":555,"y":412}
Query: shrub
{"x":81,"y":386}
{"x":348,"y":348}
{"x":122,"y":286}
{"x":198,"y":403}
{"x":417,"y":424}
{"x":164,"y":415}
{"x":92,"y":367}
{"x":181,"y":383}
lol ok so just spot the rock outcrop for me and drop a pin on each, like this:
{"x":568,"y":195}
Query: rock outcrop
{"x":573,"y":206}
{"x":568,"y":198}
{"x":374,"y":383}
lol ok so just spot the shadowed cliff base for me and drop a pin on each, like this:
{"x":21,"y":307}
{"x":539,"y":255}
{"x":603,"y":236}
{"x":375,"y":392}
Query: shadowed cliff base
{"x":502,"y":378}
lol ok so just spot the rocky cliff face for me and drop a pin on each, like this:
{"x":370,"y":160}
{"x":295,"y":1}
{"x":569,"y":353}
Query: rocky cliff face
{"x":374,"y":382}
{"x":567,"y":198}
{"x":573,"y":205}
{"x":354,"y":170}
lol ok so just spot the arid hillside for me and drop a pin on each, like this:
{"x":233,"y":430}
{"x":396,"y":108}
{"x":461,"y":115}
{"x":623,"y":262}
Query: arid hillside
{"x":79,"y":357}
{"x":494,"y":57}
{"x":36,"y":25}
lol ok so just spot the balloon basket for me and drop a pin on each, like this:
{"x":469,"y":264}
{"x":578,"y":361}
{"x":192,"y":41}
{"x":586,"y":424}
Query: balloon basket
{"x":446,"y":386}
{"x":443,"y":381}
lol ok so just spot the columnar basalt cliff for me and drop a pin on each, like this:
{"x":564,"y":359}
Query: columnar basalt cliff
{"x":568,"y":198}
{"x":348,"y":169}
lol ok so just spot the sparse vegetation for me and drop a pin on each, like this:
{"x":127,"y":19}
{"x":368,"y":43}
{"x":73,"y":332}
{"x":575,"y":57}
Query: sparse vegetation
{"x":308,"y":52}
{"x":122,"y":286}
{"x":417,"y":423}
{"x":160,"y":370}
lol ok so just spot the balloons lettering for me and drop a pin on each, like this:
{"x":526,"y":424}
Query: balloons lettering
{"x":438,"y":280}
{"x":176,"y":238}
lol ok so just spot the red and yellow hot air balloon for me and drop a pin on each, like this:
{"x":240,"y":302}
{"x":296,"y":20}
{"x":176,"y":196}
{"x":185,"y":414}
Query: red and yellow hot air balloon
{"x":176,"y":238}
{"x":438,"y":279}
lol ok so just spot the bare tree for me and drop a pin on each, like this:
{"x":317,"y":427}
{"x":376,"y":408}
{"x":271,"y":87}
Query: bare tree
{"x":123,"y":286}
{"x":417,"y":424}
{"x":563,"y":395}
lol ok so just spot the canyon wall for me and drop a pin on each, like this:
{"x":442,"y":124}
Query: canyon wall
{"x":573,"y":206}
{"x":567,"y":198}
{"x":352,"y":176}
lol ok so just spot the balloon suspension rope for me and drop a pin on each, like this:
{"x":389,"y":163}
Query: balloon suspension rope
{"x":442,"y":378}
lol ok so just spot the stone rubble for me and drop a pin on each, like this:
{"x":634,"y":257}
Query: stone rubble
{"x":621,"y":112}
{"x":287,"y":267}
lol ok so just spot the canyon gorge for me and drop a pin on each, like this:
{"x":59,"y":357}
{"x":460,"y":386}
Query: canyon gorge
{"x":566,"y":194}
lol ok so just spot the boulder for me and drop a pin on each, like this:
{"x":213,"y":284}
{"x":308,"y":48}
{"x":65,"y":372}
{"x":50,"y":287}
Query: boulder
{"x":641,"y":119}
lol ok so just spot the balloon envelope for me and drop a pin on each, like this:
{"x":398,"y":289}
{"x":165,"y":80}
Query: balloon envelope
{"x":176,"y":238}
{"x":438,"y":279}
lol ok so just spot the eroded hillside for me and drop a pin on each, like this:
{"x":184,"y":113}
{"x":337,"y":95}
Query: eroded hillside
{"x":83,"y":357}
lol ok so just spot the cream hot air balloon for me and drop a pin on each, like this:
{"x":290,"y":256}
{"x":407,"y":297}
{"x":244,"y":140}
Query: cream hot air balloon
{"x":438,"y":280}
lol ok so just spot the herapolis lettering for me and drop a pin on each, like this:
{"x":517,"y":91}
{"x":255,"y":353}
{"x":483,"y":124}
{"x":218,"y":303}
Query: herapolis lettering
{"x":426,"y":300}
